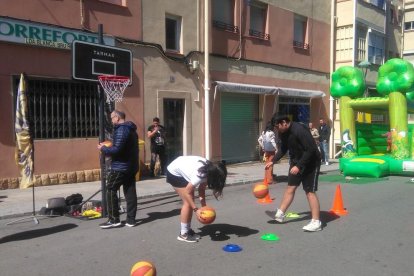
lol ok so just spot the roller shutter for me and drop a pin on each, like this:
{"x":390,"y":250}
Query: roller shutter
{"x":239,"y":127}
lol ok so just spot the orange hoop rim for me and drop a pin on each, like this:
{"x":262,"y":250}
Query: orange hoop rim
{"x":113,"y":78}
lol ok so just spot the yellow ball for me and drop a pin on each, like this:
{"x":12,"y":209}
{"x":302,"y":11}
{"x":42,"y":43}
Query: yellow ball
{"x":143,"y":268}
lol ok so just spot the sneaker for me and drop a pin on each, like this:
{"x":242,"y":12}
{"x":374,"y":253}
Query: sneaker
{"x":131,"y":224}
{"x":110,"y":224}
{"x":327,"y":163}
{"x":280,"y":216}
{"x":192,"y":233}
{"x":186,"y":238}
{"x":313,"y":226}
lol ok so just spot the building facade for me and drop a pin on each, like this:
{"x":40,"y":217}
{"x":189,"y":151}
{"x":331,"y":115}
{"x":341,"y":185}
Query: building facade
{"x":263,"y":57}
{"x":35,"y":39}
{"x":367,"y":34}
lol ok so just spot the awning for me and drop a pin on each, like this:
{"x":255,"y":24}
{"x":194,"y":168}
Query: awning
{"x":266,"y":90}
{"x":302,"y":93}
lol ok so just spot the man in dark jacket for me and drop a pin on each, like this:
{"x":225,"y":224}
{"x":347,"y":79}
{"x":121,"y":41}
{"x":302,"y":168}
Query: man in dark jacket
{"x":324,"y":135}
{"x":124,"y":154}
{"x":305,"y":162}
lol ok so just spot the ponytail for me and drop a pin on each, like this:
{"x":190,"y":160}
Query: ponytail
{"x":216,"y":176}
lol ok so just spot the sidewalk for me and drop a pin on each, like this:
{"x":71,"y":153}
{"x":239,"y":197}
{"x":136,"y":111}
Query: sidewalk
{"x":16,"y":202}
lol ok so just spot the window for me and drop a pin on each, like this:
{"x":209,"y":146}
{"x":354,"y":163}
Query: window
{"x":258,"y":12}
{"x":344,"y":41}
{"x":409,"y":26}
{"x":375,"y":48}
{"x":223,"y":15}
{"x":378,"y":3}
{"x":223,"y":11}
{"x":173,"y":33}
{"x":299,"y":32}
{"x":62,"y":109}
{"x":361,"y":40}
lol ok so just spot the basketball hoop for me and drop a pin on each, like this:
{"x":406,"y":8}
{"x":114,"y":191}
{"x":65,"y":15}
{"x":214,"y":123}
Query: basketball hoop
{"x":114,"y":87}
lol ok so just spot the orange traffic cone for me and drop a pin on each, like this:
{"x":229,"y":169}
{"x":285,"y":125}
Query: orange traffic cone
{"x":266,"y":199}
{"x":338,"y":206}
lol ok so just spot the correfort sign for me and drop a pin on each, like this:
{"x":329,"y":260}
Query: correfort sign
{"x":37,"y":34}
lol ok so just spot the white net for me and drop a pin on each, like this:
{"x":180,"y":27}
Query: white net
{"x":114,"y":87}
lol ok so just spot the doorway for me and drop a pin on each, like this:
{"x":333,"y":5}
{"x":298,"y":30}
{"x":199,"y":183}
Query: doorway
{"x":174,"y":127}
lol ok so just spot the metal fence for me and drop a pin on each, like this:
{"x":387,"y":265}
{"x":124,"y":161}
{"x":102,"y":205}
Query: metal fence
{"x":63,"y":109}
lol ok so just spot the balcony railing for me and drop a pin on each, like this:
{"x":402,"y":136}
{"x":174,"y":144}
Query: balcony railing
{"x":258,"y":34}
{"x":301,"y":45}
{"x":226,"y":27}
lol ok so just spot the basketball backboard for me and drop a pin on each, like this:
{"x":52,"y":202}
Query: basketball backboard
{"x":90,"y":60}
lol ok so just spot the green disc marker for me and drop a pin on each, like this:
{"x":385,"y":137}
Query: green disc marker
{"x":270,"y":237}
{"x":292,"y":215}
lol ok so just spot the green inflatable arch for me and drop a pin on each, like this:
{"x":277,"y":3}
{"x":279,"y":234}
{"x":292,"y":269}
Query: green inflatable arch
{"x":376,"y":150}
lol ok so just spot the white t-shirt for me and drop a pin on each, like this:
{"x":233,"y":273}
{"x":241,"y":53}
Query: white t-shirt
{"x":187,"y":167}
{"x":268,"y":141}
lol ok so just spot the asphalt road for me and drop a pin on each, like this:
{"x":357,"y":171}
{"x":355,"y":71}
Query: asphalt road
{"x":375,"y":238}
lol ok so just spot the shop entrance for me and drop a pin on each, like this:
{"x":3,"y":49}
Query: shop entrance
{"x":298,"y":109}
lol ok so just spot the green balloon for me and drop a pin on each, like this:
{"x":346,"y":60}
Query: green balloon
{"x":395,"y":75}
{"x":347,"y":81}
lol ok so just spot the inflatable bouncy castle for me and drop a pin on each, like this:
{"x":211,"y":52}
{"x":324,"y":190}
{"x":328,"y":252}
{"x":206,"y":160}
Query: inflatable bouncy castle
{"x":376,"y":150}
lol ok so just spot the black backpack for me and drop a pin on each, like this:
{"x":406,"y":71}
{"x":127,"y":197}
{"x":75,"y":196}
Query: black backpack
{"x":74,"y":199}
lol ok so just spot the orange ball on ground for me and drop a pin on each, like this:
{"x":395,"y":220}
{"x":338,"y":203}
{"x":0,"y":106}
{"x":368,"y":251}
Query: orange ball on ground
{"x":143,"y":268}
{"x":260,"y":190}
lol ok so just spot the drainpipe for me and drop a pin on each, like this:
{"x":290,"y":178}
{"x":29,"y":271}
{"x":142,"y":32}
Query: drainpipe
{"x":206,"y":81}
{"x":331,"y":69}
{"x":402,"y":48}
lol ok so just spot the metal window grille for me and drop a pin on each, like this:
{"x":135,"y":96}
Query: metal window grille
{"x":62,"y":109}
{"x":302,"y":45}
{"x":226,"y":27}
{"x":258,"y":34}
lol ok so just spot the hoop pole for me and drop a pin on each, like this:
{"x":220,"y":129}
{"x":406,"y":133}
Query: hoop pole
{"x":102,"y":132}
{"x":102,"y":155}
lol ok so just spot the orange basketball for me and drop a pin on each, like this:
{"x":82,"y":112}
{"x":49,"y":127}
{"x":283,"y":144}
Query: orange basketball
{"x":107,"y":143}
{"x":260,"y":190}
{"x":143,"y":268}
{"x":207,"y":215}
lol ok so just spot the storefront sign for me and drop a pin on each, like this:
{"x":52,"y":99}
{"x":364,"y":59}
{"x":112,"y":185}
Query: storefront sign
{"x":37,"y":34}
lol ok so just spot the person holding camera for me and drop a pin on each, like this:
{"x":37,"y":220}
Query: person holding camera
{"x":156,"y":132}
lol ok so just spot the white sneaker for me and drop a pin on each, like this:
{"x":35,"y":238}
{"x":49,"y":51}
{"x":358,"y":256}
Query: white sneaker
{"x":313,"y":226}
{"x":280,"y":216}
{"x":327,"y":163}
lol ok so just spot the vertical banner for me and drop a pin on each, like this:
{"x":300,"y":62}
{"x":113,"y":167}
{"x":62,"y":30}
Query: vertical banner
{"x":24,"y":142}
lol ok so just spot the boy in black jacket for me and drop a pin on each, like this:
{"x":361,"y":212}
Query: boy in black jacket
{"x":305,"y":162}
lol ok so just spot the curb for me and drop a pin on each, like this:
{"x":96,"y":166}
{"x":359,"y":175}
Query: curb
{"x":155,"y":194}
{"x":151,"y":195}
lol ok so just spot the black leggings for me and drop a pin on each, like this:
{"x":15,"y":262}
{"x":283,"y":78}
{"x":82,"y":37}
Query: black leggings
{"x":114,"y":181}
